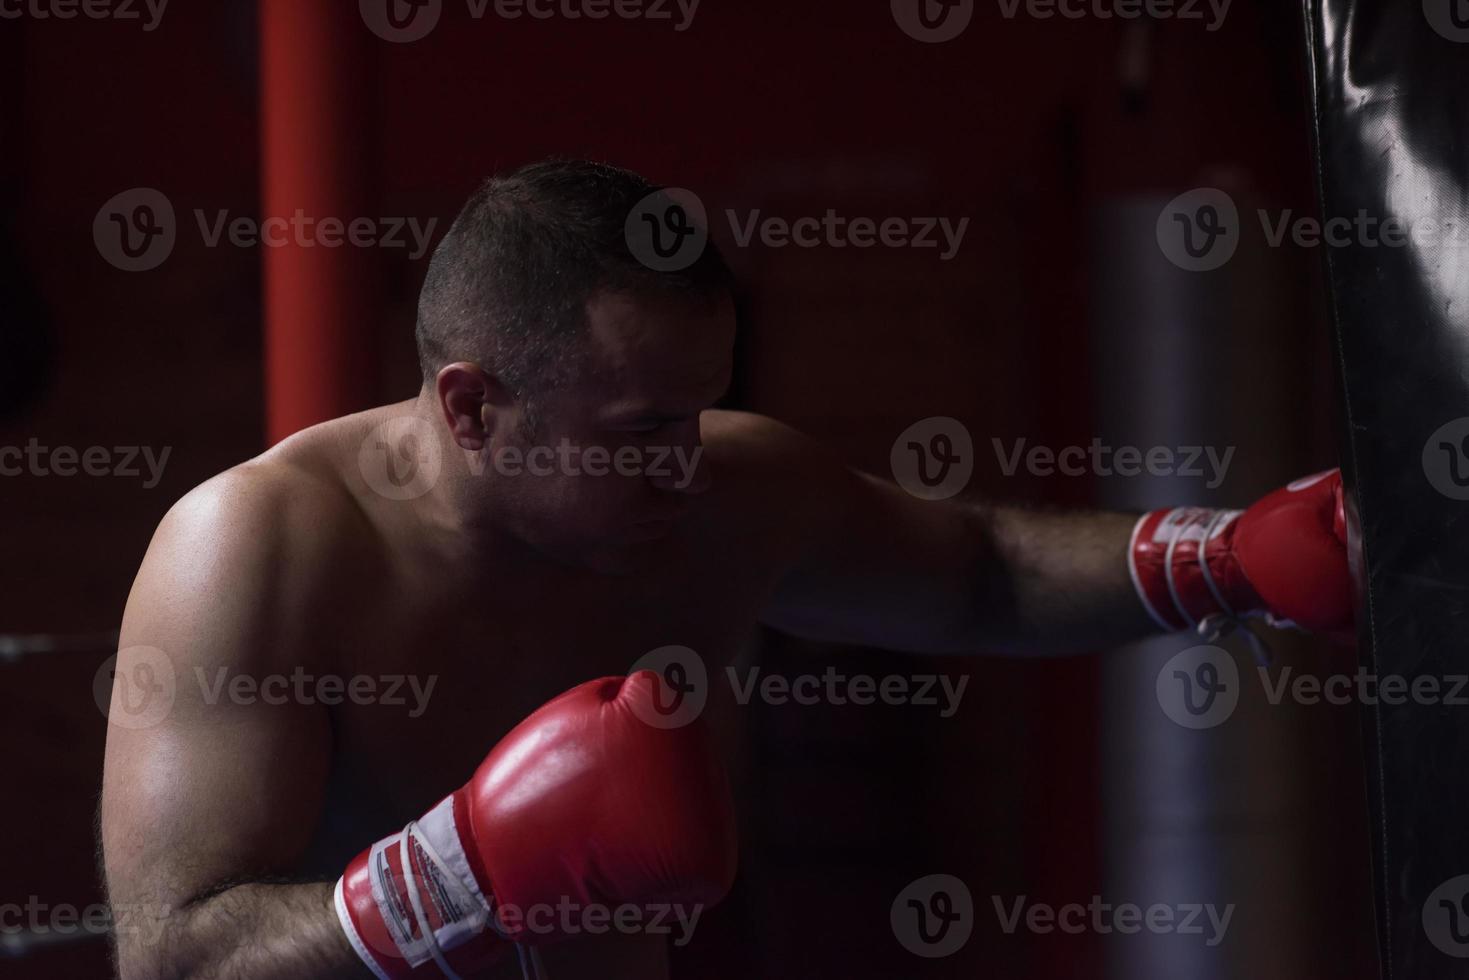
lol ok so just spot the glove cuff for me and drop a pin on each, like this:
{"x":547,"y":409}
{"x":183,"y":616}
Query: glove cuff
{"x":1178,"y":559}
{"x":411,"y":899}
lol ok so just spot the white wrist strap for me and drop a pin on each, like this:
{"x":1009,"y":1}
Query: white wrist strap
{"x":531,"y":967}
{"x":1219,"y":515}
{"x":434,"y":869}
{"x":1173,"y":540}
{"x":425,"y":928}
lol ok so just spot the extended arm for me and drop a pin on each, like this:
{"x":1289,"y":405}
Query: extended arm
{"x":872,"y":565}
{"x":889,"y":570}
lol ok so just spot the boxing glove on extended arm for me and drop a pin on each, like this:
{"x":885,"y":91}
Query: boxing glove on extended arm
{"x":1285,"y":559}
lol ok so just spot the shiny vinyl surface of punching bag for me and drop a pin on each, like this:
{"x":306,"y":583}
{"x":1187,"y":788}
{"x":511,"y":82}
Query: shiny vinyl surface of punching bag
{"x":1391,"y":115}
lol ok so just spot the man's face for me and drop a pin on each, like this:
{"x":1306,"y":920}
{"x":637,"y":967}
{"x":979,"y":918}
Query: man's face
{"x":616,"y":460}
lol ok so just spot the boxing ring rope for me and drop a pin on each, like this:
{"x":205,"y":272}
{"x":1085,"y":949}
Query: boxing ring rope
{"x":19,"y":945}
{"x":14,"y":646}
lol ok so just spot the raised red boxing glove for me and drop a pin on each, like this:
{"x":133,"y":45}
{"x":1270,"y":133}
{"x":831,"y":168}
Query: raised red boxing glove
{"x":582,"y":806}
{"x":1284,"y":559}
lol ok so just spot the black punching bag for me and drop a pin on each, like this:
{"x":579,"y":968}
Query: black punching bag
{"x":1390,"y":86}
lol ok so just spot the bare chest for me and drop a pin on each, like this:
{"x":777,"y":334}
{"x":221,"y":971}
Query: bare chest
{"x":438,"y":683}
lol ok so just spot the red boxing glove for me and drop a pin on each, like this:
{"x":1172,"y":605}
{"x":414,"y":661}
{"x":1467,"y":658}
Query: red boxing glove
{"x":582,"y":806}
{"x":1285,"y":559}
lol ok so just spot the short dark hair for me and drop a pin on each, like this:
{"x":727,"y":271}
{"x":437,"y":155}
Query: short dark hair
{"x":508,"y":285}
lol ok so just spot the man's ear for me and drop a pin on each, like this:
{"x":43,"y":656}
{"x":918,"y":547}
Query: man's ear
{"x":470,"y":397}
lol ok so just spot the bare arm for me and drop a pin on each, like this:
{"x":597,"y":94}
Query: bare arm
{"x":871,"y":564}
{"x":208,"y":802}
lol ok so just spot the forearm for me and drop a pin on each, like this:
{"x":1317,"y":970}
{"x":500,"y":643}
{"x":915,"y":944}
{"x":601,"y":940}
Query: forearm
{"x":1052,"y":582}
{"x":879,"y":568}
{"x":248,"y":932}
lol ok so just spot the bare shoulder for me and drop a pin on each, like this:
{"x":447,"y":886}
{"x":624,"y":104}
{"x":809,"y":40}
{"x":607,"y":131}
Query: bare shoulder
{"x":747,"y":440}
{"x":773,"y":484}
{"x":268,"y":508}
{"x":235,"y":561}
{"x":250,"y":506}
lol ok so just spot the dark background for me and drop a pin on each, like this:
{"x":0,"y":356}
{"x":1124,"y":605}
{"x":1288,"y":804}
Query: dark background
{"x":1025,"y":126}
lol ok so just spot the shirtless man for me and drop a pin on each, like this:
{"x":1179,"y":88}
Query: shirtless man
{"x":428,"y":538}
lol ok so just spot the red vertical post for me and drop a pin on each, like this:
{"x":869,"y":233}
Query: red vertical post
{"x":317,"y":303}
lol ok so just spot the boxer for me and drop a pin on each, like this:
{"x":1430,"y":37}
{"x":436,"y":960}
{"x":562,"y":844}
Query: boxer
{"x":508,"y":534}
